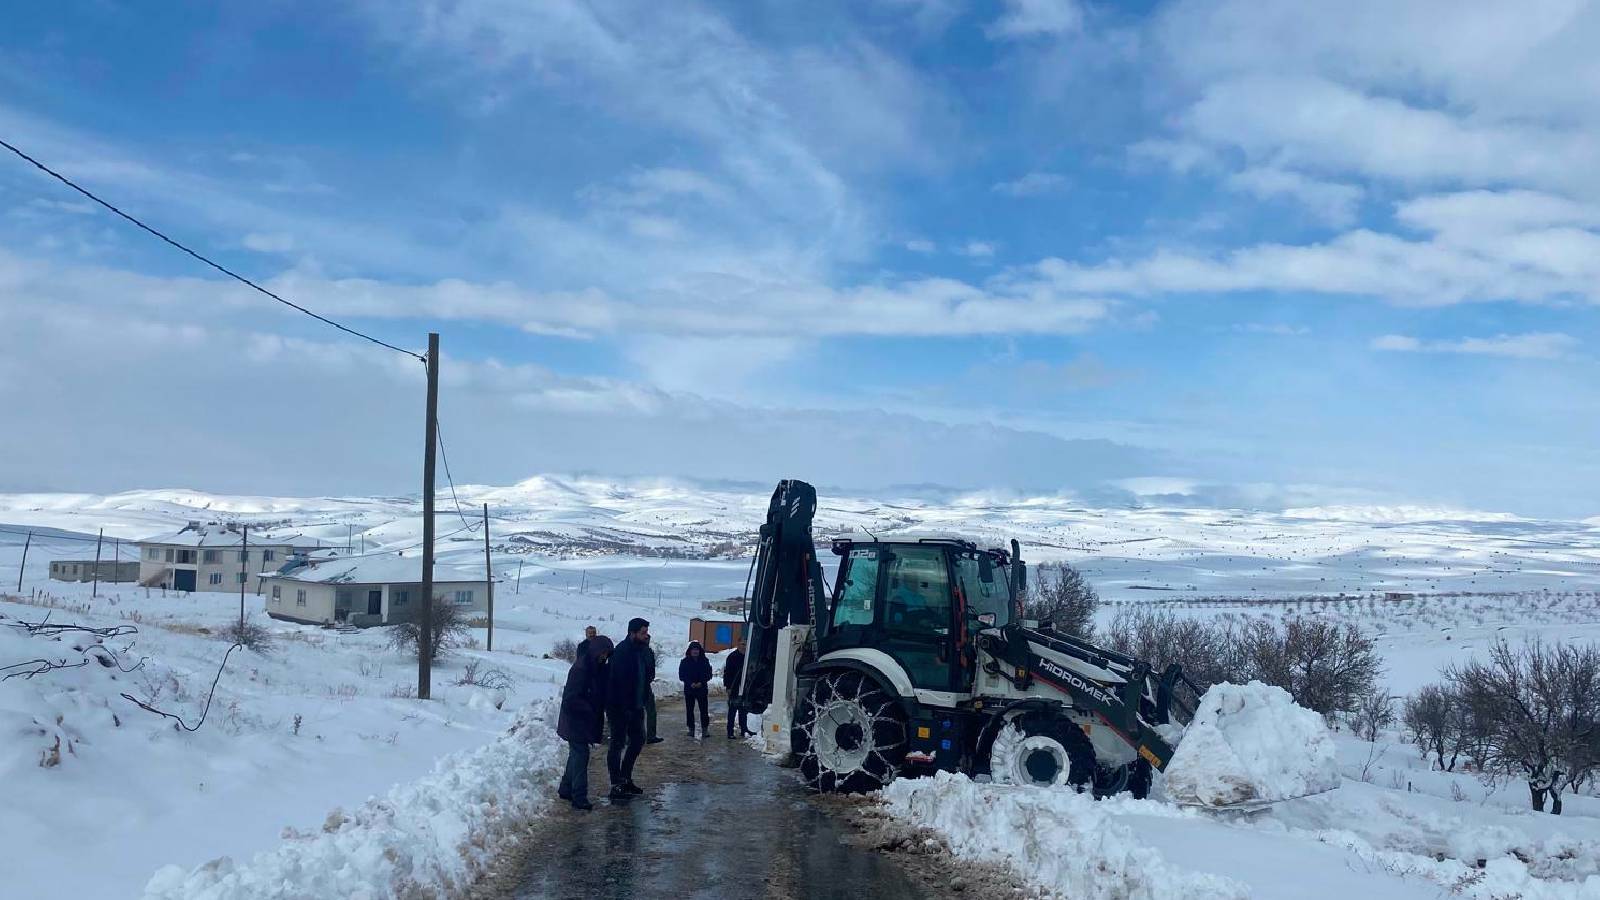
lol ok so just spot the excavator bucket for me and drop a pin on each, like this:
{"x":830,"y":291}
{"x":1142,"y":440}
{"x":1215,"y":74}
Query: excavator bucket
{"x":1249,"y":746}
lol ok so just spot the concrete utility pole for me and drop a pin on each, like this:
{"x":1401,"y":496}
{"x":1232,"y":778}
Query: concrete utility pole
{"x":488,"y":574}
{"x":430,"y":447}
{"x":24,"y":567}
{"x":518,"y":591}
{"x":98,"y":541}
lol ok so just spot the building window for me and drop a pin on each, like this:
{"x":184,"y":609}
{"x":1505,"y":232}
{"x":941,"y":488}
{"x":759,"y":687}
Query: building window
{"x":169,"y":554}
{"x":239,"y":577}
{"x":267,"y":555}
{"x":212,"y":556}
{"x":216,"y":577}
{"x":399,"y":598}
{"x":277,"y":592}
{"x":152,"y":553}
{"x":299,"y":598}
{"x":463,"y":596}
{"x":244,"y":556}
{"x":186,"y":557}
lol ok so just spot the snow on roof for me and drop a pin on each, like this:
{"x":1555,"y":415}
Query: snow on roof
{"x":218,"y":535}
{"x":908,"y":536}
{"x":383,"y":569}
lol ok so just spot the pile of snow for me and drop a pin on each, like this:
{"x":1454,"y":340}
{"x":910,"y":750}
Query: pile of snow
{"x":432,"y":837}
{"x":1059,"y":839}
{"x":1251,"y":743}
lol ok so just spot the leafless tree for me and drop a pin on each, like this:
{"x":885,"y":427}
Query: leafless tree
{"x":1434,"y":718}
{"x":1061,"y":595}
{"x":1537,"y":708}
{"x":449,"y":628}
{"x":1205,"y":650}
{"x":1324,"y":666}
{"x":1373,"y":712}
{"x":564,"y":648}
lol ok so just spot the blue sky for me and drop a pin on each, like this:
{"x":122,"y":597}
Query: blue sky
{"x":1218,"y":252}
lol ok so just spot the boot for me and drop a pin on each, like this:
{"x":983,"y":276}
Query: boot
{"x":582,"y":805}
{"x":619,"y":792}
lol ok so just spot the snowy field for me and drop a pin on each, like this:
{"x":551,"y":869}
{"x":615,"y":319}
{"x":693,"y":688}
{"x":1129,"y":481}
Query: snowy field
{"x":317,"y":754}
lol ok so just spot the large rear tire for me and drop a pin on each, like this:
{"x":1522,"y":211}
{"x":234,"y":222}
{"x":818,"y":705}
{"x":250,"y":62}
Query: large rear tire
{"x":1044,"y":750}
{"x":853,"y":735}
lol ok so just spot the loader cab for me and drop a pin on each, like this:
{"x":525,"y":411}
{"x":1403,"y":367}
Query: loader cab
{"x":921,"y":602}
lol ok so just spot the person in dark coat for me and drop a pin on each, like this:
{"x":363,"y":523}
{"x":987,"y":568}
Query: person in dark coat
{"x":732,"y":672}
{"x":626,"y":688}
{"x":583,"y":701}
{"x":650,"y":696}
{"x":694,"y":670}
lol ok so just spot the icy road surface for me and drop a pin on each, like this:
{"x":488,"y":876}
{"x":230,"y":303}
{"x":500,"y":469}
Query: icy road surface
{"x":717,"y":820}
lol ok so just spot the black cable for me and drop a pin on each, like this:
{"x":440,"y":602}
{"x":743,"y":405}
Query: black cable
{"x":439,"y":432}
{"x":218,"y":266}
{"x":179,"y":719}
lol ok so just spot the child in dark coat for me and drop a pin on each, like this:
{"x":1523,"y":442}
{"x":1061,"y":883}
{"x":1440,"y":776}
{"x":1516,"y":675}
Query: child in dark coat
{"x":694,"y":670}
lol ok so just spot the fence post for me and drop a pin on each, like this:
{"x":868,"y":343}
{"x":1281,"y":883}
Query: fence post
{"x":24,"y":567}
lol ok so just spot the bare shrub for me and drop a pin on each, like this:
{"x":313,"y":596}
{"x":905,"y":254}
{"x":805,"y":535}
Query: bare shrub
{"x":251,"y":636}
{"x":1061,"y":596}
{"x":1325,"y":667}
{"x":566,"y":649}
{"x":493,"y":679}
{"x":449,"y":629}
{"x":1205,"y":650}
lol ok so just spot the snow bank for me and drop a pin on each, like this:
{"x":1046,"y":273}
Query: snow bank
{"x":1059,"y":839}
{"x":430,"y":837}
{"x":1250,"y":742}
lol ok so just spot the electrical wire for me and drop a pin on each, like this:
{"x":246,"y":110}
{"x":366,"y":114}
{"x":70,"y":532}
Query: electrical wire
{"x":215,"y":265}
{"x":438,"y":431}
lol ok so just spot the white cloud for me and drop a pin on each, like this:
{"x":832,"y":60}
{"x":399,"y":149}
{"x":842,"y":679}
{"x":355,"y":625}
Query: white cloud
{"x":1031,"y":185}
{"x":1523,"y":260}
{"x":1330,"y":202}
{"x":1036,"y":18}
{"x":977,"y":249}
{"x":268,"y":243}
{"x":918,"y":245}
{"x":1539,"y":345}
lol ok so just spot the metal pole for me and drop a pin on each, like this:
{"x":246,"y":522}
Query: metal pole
{"x":98,"y":541}
{"x":430,"y":447}
{"x":584,"y":581}
{"x":24,"y":567}
{"x":488,"y":574}
{"x":519,"y":578}
{"x":244,"y":577}
{"x":626,"y":586}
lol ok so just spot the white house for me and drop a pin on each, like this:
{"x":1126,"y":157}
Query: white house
{"x":214,"y":557}
{"x":365,"y":590}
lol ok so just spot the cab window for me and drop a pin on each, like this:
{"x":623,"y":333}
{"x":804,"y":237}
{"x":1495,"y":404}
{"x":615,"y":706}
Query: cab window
{"x":918,"y":593}
{"x":854,"y":606}
{"x":984,"y":586}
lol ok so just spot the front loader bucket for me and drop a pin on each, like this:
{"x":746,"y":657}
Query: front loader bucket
{"x":1248,"y":746}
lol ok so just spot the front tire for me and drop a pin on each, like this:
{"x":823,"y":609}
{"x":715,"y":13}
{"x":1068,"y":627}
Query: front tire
{"x":852,"y":733}
{"x":1043,"y":750}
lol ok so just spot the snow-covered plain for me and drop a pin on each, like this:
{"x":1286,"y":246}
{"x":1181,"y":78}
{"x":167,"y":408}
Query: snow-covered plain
{"x":326,"y":723}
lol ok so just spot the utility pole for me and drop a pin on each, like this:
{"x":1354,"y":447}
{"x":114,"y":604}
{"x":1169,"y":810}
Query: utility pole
{"x":518,"y":591}
{"x":24,"y":567}
{"x":244,"y":577}
{"x":430,"y":448}
{"x":584,"y":581}
{"x":488,"y":575}
{"x":98,"y":541}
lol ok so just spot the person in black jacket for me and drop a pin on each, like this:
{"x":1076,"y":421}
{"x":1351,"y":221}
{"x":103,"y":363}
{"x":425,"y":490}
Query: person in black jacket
{"x":626,"y":688}
{"x":582,"y":702}
{"x":694,"y":670}
{"x":732,"y":671}
{"x":650,"y":736}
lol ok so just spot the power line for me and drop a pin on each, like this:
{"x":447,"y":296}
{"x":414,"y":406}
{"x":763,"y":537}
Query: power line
{"x":439,"y":430}
{"x":218,"y":266}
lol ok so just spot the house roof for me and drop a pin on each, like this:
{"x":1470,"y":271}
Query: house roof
{"x":382,"y":569}
{"x":216,"y":535}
